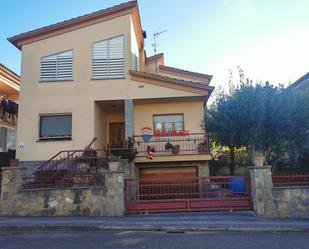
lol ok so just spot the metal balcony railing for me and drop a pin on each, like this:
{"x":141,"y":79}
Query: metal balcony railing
{"x":193,"y":144}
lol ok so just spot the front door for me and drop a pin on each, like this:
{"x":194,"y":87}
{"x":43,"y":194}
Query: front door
{"x":116,"y":134}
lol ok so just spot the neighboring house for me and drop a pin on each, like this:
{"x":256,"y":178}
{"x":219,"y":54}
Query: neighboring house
{"x":90,"y":77}
{"x":9,"y":93}
{"x":302,"y":83}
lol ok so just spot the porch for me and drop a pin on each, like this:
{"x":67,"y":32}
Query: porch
{"x":173,"y":128}
{"x":192,"y":147}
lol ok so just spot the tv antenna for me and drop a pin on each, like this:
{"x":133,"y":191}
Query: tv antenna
{"x":155,"y":36}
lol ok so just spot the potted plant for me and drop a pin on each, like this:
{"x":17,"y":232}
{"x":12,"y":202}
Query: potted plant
{"x":113,"y":162}
{"x":130,"y":152}
{"x":258,"y":157}
{"x":175,"y":149}
{"x":85,"y":161}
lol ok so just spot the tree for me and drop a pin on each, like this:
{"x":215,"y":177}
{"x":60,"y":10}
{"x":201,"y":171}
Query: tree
{"x":261,"y":117}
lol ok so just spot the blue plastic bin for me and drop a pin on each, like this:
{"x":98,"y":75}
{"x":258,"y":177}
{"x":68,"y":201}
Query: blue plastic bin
{"x":238,"y":185}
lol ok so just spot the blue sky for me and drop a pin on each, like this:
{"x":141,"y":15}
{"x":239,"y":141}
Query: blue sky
{"x":269,"y":39}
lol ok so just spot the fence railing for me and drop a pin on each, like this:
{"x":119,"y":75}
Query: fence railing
{"x":291,"y":180}
{"x":195,"y":143}
{"x":194,"y":187}
{"x":71,"y":168}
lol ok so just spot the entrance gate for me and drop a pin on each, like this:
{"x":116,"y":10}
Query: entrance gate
{"x":187,"y":194}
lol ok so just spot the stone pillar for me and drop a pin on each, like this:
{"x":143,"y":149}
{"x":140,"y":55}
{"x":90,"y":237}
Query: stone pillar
{"x":114,"y":182}
{"x":261,"y":189}
{"x":128,"y":111}
{"x":12,"y":184}
{"x":12,"y":181}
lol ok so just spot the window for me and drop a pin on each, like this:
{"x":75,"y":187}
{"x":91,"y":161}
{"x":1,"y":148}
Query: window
{"x":135,"y":62}
{"x":173,"y":122}
{"x":108,"y":58}
{"x":55,"y":126}
{"x":57,"y":66}
{"x":7,"y":139}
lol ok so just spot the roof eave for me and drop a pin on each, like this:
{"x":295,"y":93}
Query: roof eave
{"x":17,"y":39}
{"x":198,"y":86}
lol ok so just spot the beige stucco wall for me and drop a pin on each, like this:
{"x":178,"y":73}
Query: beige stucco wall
{"x":78,"y":96}
{"x":193,"y":114}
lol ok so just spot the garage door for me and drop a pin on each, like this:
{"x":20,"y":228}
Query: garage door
{"x":168,"y":172}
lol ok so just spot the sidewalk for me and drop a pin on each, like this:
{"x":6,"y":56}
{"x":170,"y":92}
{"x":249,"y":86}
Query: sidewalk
{"x":169,"y":222}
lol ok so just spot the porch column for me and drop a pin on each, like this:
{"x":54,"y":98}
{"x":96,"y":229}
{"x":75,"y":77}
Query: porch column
{"x":128,"y":111}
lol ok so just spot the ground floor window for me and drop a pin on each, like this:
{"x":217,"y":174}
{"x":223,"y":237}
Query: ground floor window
{"x":168,"y":123}
{"x":57,"y":126}
{"x":7,"y":139}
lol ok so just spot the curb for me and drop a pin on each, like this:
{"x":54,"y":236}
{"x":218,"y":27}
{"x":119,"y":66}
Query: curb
{"x":37,"y":228}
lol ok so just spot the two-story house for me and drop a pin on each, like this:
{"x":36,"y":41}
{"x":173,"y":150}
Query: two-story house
{"x":90,"y":77}
{"x":9,"y":92}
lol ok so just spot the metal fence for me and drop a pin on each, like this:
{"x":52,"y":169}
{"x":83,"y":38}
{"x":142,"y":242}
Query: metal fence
{"x":188,"y":194}
{"x":72,"y":168}
{"x":291,"y":180}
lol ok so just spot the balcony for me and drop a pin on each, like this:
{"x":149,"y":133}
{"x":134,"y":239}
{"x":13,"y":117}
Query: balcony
{"x":8,"y":111}
{"x":172,"y":148}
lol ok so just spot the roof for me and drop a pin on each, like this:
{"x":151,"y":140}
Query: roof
{"x":154,"y":57}
{"x":189,"y":73}
{"x":8,"y":73}
{"x":179,"y":82}
{"x":67,"y":25}
{"x":300,"y":81}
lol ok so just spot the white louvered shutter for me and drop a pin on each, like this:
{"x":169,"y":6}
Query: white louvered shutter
{"x":57,"y":66}
{"x":108,"y":59}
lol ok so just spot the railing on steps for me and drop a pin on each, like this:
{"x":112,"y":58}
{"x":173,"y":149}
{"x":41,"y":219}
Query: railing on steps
{"x":71,"y":168}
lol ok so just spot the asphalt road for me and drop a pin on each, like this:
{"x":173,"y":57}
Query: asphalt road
{"x":149,"y":240}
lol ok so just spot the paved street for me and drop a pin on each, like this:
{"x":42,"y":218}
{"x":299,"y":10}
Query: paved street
{"x":195,"y":221}
{"x":149,"y":240}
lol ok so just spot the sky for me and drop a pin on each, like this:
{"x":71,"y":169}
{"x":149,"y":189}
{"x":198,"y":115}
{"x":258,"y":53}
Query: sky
{"x":268,"y":39}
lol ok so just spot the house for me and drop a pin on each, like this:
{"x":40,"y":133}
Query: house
{"x":89,"y":77}
{"x":9,"y":93}
{"x":302,"y":83}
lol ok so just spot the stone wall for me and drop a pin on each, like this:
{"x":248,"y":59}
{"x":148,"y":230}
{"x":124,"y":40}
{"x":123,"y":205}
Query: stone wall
{"x":277,"y":202}
{"x":105,"y":200}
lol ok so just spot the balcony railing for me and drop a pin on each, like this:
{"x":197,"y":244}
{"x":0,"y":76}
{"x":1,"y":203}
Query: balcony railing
{"x":193,"y":144}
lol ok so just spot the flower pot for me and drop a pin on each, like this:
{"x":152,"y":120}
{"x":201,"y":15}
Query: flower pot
{"x":258,"y":158}
{"x":113,"y":166}
{"x":14,"y":162}
{"x":82,"y":167}
{"x":175,"y":150}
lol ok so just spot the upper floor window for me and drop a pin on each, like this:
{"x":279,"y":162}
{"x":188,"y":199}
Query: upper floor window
{"x":108,"y":58}
{"x":135,"y":62}
{"x":57,"y":66}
